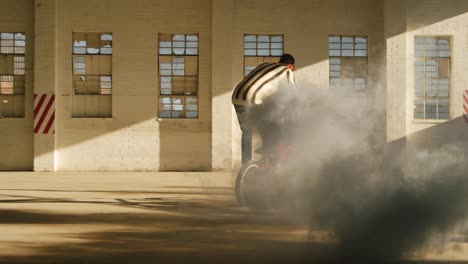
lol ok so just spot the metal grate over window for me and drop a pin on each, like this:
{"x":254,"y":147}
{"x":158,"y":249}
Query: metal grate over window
{"x":92,"y":75}
{"x":178,"y":76}
{"x":12,"y":74}
{"x":432,"y":77}
{"x":348,"y":62}
{"x":261,"y":48}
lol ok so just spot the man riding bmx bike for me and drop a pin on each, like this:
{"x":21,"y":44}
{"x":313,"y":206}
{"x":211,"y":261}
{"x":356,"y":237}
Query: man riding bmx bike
{"x":253,"y":99}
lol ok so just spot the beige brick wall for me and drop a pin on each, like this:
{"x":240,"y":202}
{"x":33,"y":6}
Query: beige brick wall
{"x":396,"y":48}
{"x":133,"y":139}
{"x":223,"y":43}
{"x":16,"y":134}
{"x":426,"y":18}
{"x":45,"y":81}
{"x":421,"y":23}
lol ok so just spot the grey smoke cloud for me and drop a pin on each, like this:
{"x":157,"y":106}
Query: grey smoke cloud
{"x":380,"y":211}
{"x":380,"y":201}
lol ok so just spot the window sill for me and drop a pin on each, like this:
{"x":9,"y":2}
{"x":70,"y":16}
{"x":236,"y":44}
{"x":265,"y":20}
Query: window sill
{"x":430,"y":121}
{"x":91,"y":118}
{"x":163,"y":119}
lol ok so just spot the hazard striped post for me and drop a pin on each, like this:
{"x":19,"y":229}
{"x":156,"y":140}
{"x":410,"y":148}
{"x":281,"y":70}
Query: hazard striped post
{"x":465,"y":105}
{"x":44,"y":113}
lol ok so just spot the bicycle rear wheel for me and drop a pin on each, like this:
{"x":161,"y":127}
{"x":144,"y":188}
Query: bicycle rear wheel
{"x":251,"y":186}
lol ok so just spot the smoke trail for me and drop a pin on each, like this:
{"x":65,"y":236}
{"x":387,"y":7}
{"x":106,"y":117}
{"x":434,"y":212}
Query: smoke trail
{"x":380,"y":201}
{"x":382,"y":213}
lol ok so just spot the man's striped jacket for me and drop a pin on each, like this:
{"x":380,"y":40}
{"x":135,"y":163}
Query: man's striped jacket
{"x":261,"y":83}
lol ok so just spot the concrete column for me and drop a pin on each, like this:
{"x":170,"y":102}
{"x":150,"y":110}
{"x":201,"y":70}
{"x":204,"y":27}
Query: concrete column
{"x":44,"y":84}
{"x":222,"y":28}
{"x":395,"y":33}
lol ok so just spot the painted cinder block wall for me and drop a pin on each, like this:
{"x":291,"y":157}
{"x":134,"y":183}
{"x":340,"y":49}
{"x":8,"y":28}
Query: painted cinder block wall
{"x":404,"y":20}
{"x":135,"y":139}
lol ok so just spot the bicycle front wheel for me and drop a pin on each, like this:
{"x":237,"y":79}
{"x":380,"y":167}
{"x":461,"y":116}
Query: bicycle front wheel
{"x":251,"y":186}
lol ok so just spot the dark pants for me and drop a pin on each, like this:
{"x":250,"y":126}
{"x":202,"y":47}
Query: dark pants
{"x":246,"y":128}
{"x":257,"y":118}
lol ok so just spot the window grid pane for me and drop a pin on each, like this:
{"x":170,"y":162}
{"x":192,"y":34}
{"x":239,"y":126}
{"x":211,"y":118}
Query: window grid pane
{"x":347,"y":70}
{"x":92,"y":43}
{"x":259,"y":48}
{"x":92,"y":75}
{"x":178,"y":75}
{"x":432,"y":78}
{"x":178,"y":44}
{"x":12,"y":43}
{"x":263,"y":45}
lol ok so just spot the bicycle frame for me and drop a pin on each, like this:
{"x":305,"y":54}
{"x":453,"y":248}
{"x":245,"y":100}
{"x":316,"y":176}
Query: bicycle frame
{"x":281,"y":153}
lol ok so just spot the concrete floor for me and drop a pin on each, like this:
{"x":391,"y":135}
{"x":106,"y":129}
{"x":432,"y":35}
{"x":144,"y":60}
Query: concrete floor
{"x":148,"y":218}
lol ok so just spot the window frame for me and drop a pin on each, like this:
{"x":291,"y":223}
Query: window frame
{"x":99,"y":77}
{"x":270,"y":57}
{"x":449,"y":79}
{"x":185,"y":97}
{"x":341,"y":57}
{"x":16,"y":76}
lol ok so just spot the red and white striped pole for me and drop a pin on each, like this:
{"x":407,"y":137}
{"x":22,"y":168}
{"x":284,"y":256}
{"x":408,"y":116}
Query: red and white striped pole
{"x":44,"y":113}
{"x":465,"y":105}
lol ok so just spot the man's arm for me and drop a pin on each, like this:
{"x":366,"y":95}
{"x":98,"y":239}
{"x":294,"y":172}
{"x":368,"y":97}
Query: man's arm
{"x":291,"y":79}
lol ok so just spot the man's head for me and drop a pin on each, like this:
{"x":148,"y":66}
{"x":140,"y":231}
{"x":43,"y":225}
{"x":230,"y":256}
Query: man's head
{"x":288,"y":61}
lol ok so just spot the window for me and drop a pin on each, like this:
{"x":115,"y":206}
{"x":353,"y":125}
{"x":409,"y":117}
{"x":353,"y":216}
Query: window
{"x":261,"y":48}
{"x":92,"y":75}
{"x":178,"y":76}
{"x":12,"y":74}
{"x":348,"y":63}
{"x":432,"y":78}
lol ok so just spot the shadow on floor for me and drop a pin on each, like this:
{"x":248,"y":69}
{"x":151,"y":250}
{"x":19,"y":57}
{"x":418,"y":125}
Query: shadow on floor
{"x":165,"y":230}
